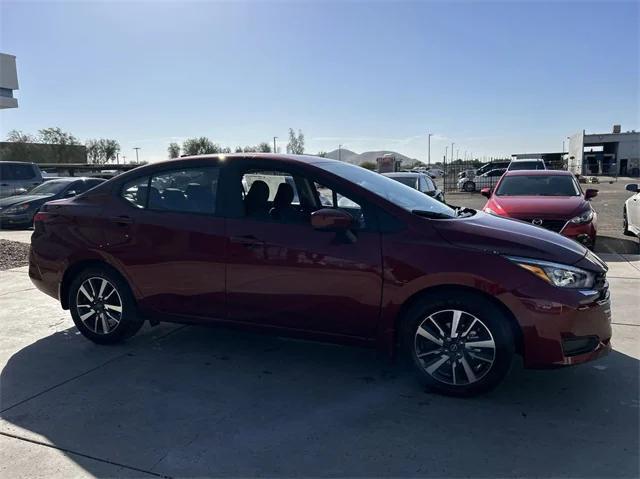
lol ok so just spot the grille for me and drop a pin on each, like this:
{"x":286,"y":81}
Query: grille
{"x":553,"y":225}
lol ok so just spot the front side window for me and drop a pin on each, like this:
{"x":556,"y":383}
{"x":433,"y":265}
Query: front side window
{"x":188,"y":190}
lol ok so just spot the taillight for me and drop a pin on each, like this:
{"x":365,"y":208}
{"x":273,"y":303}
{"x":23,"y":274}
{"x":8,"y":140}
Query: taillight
{"x":42,"y":217}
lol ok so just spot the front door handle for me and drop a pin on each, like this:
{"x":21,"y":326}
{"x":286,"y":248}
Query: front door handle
{"x":246,"y":240}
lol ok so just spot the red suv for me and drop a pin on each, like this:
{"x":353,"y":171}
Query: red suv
{"x":321,"y":249}
{"x":547,"y":198}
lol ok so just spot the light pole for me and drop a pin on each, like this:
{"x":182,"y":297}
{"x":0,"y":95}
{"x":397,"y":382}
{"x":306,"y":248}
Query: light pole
{"x":429,"y":135}
{"x":274,"y":144}
{"x":137,"y":159}
{"x":452,"y":143}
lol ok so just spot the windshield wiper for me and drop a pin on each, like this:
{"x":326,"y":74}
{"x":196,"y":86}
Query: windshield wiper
{"x":431,"y":214}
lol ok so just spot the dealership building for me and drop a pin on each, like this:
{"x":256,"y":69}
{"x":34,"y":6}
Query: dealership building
{"x":616,"y":153}
{"x":8,"y":81}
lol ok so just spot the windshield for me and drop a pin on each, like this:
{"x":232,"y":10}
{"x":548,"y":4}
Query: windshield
{"x":49,"y":188}
{"x":393,"y":191}
{"x":537,"y":185}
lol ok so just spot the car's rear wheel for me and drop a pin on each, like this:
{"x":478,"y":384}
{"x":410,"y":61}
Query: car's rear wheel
{"x":102,"y":306}
{"x":470,"y":186}
{"x":460,"y":344}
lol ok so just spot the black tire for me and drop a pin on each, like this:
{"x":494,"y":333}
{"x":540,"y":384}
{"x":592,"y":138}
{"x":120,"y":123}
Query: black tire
{"x":625,"y":223}
{"x":469,"y":186}
{"x":463,"y":370}
{"x":105,"y":309}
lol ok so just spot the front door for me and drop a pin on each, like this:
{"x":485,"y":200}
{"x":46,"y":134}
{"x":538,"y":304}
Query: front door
{"x":281,"y":272}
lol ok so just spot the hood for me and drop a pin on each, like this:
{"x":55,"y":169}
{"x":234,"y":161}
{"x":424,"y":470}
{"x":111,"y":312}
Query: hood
{"x":499,"y":235}
{"x":559,"y":207}
{"x":18,"y":199}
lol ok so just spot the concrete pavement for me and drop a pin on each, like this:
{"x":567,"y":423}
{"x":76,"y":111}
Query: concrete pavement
{"x":197,"y":401}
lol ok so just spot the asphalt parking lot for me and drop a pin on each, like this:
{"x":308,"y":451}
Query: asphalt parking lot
{"x":196,"y":401}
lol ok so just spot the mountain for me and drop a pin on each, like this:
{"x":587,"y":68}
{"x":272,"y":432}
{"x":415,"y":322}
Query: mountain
{"x":368,"y":156}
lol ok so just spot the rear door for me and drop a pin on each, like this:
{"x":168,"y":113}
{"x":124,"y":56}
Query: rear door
{"x":165,"y":232}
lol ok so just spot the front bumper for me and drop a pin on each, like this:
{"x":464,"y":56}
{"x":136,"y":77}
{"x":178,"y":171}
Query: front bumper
{"x":584,"y":234}
{"x":567,"y":328}
{"x":16,"y":220}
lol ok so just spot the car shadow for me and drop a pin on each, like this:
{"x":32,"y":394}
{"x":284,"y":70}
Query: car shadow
{"x":608,"y":244}
{"x":216,"y":402}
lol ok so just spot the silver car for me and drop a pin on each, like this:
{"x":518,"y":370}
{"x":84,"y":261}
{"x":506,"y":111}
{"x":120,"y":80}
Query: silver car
{"x":18,"y":177}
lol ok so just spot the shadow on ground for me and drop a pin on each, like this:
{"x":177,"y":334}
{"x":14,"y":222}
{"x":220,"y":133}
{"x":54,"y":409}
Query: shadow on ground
{"x":215,"y":402}
{"x":608,"y":244}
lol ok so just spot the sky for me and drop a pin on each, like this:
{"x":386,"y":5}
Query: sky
{"x":496,"y":78}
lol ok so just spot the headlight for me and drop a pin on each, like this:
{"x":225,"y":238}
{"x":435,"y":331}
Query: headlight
{"x":583,"y":218}
{"x":561,"y":275}
{"x":17,"y":209}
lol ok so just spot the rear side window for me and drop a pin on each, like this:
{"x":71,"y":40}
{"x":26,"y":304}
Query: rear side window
{"x":11,"y":171}
{"x":189,"y":190}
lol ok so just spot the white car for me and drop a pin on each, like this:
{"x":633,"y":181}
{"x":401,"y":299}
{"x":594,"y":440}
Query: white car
{"x":435,"y":173}
{"x":485,"y":180}
{"x":631,"y":211}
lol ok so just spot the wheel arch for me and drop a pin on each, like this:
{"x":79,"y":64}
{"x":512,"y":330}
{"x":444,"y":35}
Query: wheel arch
{"x":75,"y":268}
{"x":441,"y":290}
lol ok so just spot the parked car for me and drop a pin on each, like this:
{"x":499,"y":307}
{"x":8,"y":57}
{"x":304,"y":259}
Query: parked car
{"x":550,"y":199}
{"x":527,"y":165}
{"x":631,"y":211}
{"x":19,"y":210}
{"x":18,"y":177}
{"x":493,"y":165}
{"x":420,"y":182}
{"x":457,"y":290}
{"x":435,"y":172}
{"x":485,"y":180}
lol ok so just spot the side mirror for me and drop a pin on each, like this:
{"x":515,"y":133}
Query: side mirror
{"x":331,"y":219}
{"x":70,"y":193}
{"x":486,"y":192}
{"x":633,"y":187}
{"x":590,"y":193}
{"x":21,"y":191}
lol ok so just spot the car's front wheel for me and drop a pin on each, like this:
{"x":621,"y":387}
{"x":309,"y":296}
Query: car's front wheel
{"x":469,"y":186}
{"x":102,"y":306}
{"x":461,"y":344}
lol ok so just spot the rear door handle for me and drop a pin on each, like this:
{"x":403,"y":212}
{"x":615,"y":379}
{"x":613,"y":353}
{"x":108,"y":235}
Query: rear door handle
{"x":122,"y":220}
{"x":247,"y":240}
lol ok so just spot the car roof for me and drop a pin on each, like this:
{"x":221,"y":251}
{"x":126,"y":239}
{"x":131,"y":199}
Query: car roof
{"x":523,"y":160}
{"x":538,"y":173}
{"x":307,"y":159}
{"x":69,"y":179}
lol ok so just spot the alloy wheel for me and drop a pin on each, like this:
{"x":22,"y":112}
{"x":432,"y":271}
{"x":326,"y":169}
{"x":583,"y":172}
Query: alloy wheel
{"x":454,"y":347}
{"x":99,"y":305}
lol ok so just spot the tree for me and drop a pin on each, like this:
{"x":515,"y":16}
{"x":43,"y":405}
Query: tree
{"x":238,"y":149}
{"x":200,"y":146}
{"x":322,"y":154}
{"x":109,"y":149}
{"x":55,"y":136}
{"x":94,"y":152}
{"x":264,"y":147}
{"x":173,"y":150}
{"x":17,"y":136}
{"x":226,"y":150}
{"x":369,"y":165}
{"x":296,"y":142}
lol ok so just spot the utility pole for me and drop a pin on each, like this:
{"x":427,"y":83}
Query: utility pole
{"x":339,"y":152}
{"x":137,"y":159}
{"x":274,"y":144}
{"x":429,"y":135}
{"x":452,"y":143}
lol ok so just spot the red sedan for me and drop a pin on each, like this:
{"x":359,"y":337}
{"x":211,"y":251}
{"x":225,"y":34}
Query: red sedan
{"x":546,"y":198}
{"x":321,"y":249}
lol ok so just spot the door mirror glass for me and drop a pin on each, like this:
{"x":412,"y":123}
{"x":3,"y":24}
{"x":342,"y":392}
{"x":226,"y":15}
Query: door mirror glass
{"x":590,"y":193}
{"x":330,"y":219}
{"x":486,"y":192}
{"x":70,"y":193}
{"x":632,"y":187}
